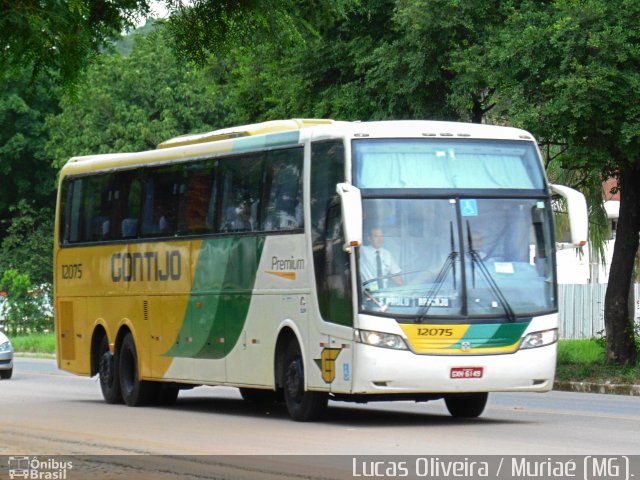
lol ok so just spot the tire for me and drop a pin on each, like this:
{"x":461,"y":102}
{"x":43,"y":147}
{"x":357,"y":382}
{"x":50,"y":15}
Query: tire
{"x":6,"y":374}
{"x":135,"y":392}
{"x":303,"y":405}
{"x":108,"y":372}
{"x":257,"y":395}
{"x":466,"y":405}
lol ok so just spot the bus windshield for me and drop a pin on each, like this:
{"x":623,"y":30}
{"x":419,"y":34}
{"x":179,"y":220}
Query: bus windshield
{"x":456,"y":258}
{"x":446,"y":163}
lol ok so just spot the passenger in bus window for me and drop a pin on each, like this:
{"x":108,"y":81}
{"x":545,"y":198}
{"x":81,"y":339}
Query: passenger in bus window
{"x":377,"y":264}
{"x":239,"y":219}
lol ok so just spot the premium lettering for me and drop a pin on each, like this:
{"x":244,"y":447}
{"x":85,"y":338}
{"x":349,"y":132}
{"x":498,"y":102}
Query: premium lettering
{"x":292,"y":263}
{"x":146,"y":267}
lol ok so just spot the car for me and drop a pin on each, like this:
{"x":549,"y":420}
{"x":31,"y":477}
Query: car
{"x":6,"y":357}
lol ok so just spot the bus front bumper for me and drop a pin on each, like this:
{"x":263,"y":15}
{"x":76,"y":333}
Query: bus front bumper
{"x":386,"y":371}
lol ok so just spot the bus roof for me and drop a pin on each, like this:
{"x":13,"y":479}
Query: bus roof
{"x":263,"y":128}
{"x":287,"y":132}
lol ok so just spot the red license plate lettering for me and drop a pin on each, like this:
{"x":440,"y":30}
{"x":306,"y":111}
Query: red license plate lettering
{"x":466,"y":372}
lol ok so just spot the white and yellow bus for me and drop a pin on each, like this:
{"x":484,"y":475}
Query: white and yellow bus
{"x":309,"y":260}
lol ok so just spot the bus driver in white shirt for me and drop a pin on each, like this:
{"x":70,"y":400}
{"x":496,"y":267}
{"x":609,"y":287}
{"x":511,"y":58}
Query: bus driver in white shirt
{"x":377,"y":263}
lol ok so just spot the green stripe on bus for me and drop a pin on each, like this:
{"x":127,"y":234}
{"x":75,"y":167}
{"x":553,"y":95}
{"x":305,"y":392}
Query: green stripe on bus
{"x":492,"y":335}
{"x":220,"y":297}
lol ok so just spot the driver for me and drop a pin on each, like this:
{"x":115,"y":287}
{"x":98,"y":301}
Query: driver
{"x":377,"y":263}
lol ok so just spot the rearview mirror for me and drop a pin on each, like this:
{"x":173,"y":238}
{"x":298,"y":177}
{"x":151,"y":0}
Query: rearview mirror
{"x":351,"y":202}
{"x":578,"y":216}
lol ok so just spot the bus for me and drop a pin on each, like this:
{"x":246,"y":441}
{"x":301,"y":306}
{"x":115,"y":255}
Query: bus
{"x":305,"y":260}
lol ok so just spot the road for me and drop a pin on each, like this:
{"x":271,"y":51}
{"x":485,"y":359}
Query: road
{"x":44,"y":411}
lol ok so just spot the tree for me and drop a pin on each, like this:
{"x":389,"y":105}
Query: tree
{"x":26,"y":171}
{"x":27,"y":245}
{"x":132,"y":103}
{"x":440,"y":51}
{"x":571,"y":71}
{"x":58,"y":38}
{"x":27,"y":310}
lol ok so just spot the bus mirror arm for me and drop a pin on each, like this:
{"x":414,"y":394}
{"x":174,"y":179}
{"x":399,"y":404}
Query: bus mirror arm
{"x":578,"y":216}
{"x":351,"y":203}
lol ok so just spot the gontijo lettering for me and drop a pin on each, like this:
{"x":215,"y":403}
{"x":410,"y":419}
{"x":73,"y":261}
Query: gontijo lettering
{"x":146,"y":267}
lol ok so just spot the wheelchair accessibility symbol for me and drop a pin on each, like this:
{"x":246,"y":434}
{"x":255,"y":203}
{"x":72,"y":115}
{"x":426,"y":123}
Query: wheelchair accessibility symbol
{"x":469,"y":207}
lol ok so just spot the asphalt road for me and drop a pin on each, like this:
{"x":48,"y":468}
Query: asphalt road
{"x":44,"y":411}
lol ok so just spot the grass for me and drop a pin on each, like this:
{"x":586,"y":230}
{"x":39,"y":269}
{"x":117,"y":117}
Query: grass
{"x":578,"y":360}
{"x":583,"y":361}
{"x":37,"y":343}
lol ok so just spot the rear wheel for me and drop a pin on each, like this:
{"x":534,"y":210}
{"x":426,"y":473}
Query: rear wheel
{"x":135,"y":392}
{"x":303,"y":405}
{"x":6,"y":374}
{"x":466,"y":405}
{"x":108,"y":371}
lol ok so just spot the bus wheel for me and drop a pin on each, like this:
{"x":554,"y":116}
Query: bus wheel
{"x":466,"y":405}
{"x":108,"y":371}
{"x":135,"y":392}
{"x":258,"y":395}
{"x":303,"y":406}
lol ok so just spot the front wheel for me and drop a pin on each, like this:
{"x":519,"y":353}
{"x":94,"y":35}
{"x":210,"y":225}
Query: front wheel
{"x":6,"y":374}
{"x":135,"y":392}
{"x":466,"y":405}
{"x":303,"y":405}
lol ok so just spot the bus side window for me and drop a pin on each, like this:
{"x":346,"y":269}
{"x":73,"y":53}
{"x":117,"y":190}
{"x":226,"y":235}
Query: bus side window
{"x":330,"y":265}
{"x":242,"y":178}
{"x":160,"y":194}
{"x":197,"y":204}
{"x":71,"y":201}
{"x":283,"y":210}
{"x":95,"y":218}
{"x":125,"y":204}
{"x":335,"y":291}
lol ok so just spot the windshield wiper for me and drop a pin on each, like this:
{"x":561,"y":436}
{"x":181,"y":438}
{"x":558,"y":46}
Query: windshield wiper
{"x":477,"y":260}
{"x":448,"y":265}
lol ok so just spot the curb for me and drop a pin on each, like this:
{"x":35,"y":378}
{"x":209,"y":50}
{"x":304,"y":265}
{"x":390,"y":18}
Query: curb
{"x":589,"y":387}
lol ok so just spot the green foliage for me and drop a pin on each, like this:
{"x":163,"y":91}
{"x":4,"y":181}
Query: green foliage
{"x":584,"y":361}
{"x":570,"y":68}
{"x":586,"y":351}
{"x":28,"y":242}
{"x":26,"y":309}
{"x":26,"y":171}
{"x":205,"y":27}
{"x":133,"y":103}
{"x":58,"y":39}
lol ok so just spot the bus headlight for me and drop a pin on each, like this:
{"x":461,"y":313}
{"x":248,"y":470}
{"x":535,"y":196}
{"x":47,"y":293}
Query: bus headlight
{"x":540,"y":339}
{"x":379,"y":339}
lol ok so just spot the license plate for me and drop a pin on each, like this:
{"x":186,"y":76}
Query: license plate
{"x":466,"y":372}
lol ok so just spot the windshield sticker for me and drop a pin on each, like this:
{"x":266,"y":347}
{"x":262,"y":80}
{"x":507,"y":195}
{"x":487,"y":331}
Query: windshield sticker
{"x":504,"y":267}
{"x":469,"y":207}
